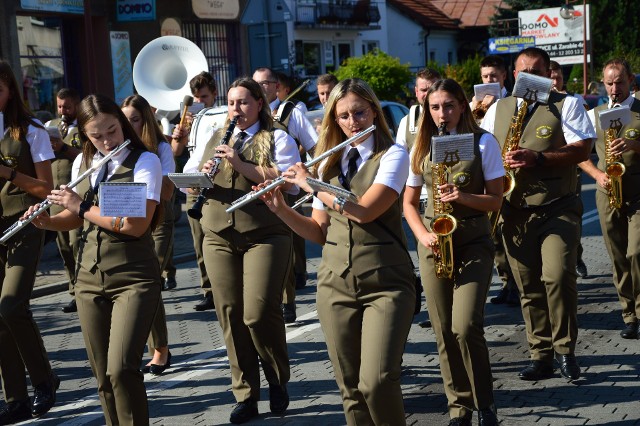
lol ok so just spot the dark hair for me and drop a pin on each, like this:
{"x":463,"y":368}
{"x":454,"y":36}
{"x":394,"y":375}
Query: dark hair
{"x":553,"y":65}
{"x":325,"y":79}
{"x":151,"y":132}
{"x":493,"y":61}
{"x":619,"y":63}
{"x":204,"y":79}
{"x":89,"y":109}
{"x":69,"y":93}
{"x":285,"y":80}
{"x":264,"y":117}
{"x":535,"y":52}
{"x":271,"y":75}
{"x":428,"y":74}
{"x":17,"y":116}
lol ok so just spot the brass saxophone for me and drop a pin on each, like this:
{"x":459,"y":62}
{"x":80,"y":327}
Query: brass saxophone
{"x":511,"y":143}
{"x":443,"y":223}
{"x":614,"y":168}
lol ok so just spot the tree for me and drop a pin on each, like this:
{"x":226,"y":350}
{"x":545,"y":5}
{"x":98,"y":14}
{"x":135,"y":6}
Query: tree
{"x":385,"y":74}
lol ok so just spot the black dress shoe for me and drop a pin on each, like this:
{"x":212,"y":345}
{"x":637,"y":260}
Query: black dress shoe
{"x":244,"y":411}
{"x":513,"y":297}
{"x":537,"y":370}
{"x":145,"y":369}
{"x":278,"y":398}
{"x":45,"y":396}
{"x":569,"y":368}
{"x":205,"y":304}
{"x":425,"y":324}
{"x":501,"y":297}
{"x":460,"y":421}
{"x":289,"y":313}
{"x":15,"y":412}
{"x":630,"y":331}
{"x":70,"y":307}
{"x":157,"y":369}
{"x":581,"y":269}
{"x":488,"y":417}
{"x":169,"y":283}
{"x":301,"y":281}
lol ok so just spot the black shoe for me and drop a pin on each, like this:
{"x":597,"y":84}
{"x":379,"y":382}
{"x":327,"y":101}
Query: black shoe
{"x":569,"y":368}
{"x":460,"y":421}
{"x":289,"y":313}
{"x":157,"y":370}
{"x":145,"y":369}
{"x":425,"y":324}
{"x":15,"y":412}
{"x":630,"y":331}
{"x":537,"y":370}
{"x":278,"y":398}
{"x":45,"y":396}
{"x":301,"y":281}
{"x":244,"y":411}
{"x":581,"y":269}
{"x":70,"y":307}
{"x":169,"y":283}
{"x":501,"y":297}
{"x":488,"y":417}
{"x":513,"y":297}
{"x":205,"y":304}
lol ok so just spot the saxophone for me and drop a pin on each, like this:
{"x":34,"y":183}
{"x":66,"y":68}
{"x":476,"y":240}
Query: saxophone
{"x":511,"y":143}
{"x":443,"y":223}
{"x":614,"y":168}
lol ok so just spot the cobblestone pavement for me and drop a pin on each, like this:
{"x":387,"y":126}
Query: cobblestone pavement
{"x":196,"y":389}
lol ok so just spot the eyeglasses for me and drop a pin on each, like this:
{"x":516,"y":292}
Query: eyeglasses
{"x":356,"y":116}
{"x":266,"y":82}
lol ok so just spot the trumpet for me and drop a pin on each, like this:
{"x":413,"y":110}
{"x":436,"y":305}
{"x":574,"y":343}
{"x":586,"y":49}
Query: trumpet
{"x":196,"y":210}
{"x":20,"y":224}
{"x":254,"y":195}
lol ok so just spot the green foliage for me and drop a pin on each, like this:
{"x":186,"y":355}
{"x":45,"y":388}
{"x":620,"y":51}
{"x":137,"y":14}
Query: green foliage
{"x":466,"y":73}
{"x":385,"y":74}
{"x":574,"y":83}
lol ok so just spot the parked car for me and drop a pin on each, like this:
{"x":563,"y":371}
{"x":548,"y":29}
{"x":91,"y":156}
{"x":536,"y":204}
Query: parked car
{"x":393,"y":113}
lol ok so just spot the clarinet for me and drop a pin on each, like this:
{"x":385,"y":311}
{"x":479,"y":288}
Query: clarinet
{"x":196,"y":210}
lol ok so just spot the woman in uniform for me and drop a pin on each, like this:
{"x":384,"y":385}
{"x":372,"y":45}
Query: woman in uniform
{"x":117,"y":289}
{"x":25,"y":178}
{"x":456,"y":305}
{"x":139,"y":113}
{"x":247,"y":253}
{"x":366,"y":293}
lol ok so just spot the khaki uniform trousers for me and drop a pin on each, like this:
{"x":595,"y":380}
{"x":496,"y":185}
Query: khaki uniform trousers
{"x":366,"y":321}
{"x":500,"y":259}
{"x":198,"y":235}
{"x":116,"y":311}
{"x":299,"y":263}
{"x":21,"y":344}
{"x":163,"y":242}
{"x":621,"y":232}
{"x":542,"y":246}
{"x":248,"y":274}
{"x":67,"y":242}
{"x":456,"y":310}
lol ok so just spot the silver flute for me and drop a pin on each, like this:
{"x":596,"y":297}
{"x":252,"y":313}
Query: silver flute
{"x":254,"y":195}
{"x":20,"y":224}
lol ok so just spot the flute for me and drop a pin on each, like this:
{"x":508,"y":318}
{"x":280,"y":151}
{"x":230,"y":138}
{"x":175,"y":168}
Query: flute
{"x":253,"y":195}
{"x":20,"y":224}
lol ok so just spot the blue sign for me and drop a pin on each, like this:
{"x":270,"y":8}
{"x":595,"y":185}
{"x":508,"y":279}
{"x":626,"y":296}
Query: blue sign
{"x":64,"y":6}
{"x":135,"y":10}
{"x":515,"y":44}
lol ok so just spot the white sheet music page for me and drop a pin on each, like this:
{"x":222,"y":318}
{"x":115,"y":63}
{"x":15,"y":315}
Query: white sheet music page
{"x":615,"y":117}
{"x":451,"y":149}
{"x":124,"y":199}
{"x":533,"y":88}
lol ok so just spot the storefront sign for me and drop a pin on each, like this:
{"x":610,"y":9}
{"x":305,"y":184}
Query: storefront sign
{"x":216,"y":9}
{"x":121,"y":65}
{"x":510,"y":44}
{"x":135,"y":10}
{"x":64,"y":6}
{"x":170,"y":26}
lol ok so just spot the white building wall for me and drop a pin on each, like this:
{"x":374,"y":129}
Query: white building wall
{"x":406,"y":39}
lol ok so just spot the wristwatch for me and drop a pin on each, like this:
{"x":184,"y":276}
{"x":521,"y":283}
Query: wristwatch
{"x":540,"y":159}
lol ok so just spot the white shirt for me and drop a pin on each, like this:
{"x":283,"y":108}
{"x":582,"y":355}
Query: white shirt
{"x":299,"y":127}
{"x":147,"y":170}
{"x":393,"y":170}
{"x":592,"y":114}
{"x":401,"y":138}
{"x":39,"y":144}
{"x":575,"y":122}
{"x":166,"y":158}
{"x":491,"y":155}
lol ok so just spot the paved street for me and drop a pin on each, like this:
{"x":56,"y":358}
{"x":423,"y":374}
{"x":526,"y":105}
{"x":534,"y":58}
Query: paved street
{"x":196,"y":390}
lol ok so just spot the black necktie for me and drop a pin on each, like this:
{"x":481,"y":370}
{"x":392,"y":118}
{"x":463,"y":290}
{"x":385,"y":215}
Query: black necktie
{"x":352,"y":167}
{"x":102,"y":175}
{"x":239,"y":143}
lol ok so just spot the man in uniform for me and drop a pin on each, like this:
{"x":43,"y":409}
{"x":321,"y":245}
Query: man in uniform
{"x":325,"y":84}
{"x":66,"y":147}
{"x":620,"y":226}
{"x":203,"y":88}
{"x":285,"y":87}
{"x":408,"y":127}
{"x":292,"y":121}
{"x":541,"y":217}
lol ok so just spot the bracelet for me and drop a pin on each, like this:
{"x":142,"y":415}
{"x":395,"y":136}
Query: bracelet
{"x":85,"y":206}
{"x":12,"y":176}
{"x":117,"y":223}
{"x":340,"y":202}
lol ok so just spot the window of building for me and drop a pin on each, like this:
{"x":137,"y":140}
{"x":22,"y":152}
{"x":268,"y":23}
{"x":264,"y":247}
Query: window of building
{"x":308,"y":58}
{"x":369,"y":46}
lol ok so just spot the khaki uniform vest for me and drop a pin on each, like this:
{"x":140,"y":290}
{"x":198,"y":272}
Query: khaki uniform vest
{"x":410,"y":137}
{"x":283,"y":122}
{"x":229,"y":186}
{"x":106,"y":250}
{"x":630,"y":159}
{"x":61,"y":165}
{"x":14,"y":201}
{"x":537,"y":185}
{"x":363,"y":247}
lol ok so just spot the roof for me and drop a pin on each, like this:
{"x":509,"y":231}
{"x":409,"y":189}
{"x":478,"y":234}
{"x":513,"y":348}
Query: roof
{"x":471,"y":13}
{"x":425,"y":14}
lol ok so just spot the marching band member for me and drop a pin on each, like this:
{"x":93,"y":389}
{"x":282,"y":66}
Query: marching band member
{"x":25,"y":173}
{"x":117,"y":288}
{"x":241,"y":248}
{"x":366,"y":293}
{"x":139,"y":113}
{"x":620,"y":226}
{"x":456,"y":304}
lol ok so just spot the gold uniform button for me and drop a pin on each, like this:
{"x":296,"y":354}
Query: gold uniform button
{"x":229,"y":221}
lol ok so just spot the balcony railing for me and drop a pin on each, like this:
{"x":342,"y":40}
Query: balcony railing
{"x":360,"y":14}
